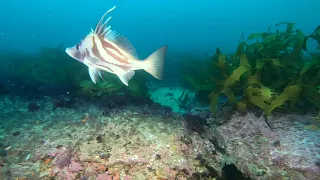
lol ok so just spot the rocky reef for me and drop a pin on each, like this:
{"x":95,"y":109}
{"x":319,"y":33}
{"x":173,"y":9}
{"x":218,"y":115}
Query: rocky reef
{"x":150,"y":142}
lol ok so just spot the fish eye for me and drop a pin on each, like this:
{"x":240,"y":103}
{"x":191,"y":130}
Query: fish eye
{"x":78,"y":45}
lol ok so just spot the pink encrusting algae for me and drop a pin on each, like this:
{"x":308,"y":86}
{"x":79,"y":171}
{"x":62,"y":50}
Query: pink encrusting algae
{"x":147,"y":142}
{"x":126,"y":144}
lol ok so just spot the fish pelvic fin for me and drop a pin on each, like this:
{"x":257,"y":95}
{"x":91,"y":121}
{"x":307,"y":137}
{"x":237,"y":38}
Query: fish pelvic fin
{"x":94,"y":72}
{"x":125,"y":77}
{"x":155,"y":62}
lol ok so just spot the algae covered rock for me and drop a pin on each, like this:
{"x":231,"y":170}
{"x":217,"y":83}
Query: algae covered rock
{"x":279,"y":149}
{"x":178,"y":99}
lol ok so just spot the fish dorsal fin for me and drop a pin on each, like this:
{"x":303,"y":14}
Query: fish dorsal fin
{"x":101,"y":28}
{"x":122,"y":42}
{"x":125,"y":77}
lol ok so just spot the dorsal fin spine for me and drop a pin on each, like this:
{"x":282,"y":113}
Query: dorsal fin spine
{"x":106,"y":31}
{"x":98,"y":26}
{"x":103,"y":26}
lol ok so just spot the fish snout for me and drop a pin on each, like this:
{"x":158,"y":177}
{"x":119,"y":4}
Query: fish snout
{"x":69,"y":51}
{"x":74,"y":53}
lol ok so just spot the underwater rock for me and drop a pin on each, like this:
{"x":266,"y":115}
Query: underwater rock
{"x":113,"y":101}
{"x":64,"y":102}
{"x":3,"y":153}
{"x":195,"y":123}
{"x":99,"y":139}
{"x":16,"y":133}
{"x":33,"y":106}
{"x":281,"y":148}
{"x":230,"y":172}
{"x":178,"y":99}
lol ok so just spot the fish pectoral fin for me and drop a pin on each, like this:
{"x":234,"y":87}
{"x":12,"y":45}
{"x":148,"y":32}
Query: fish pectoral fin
{"x":93,"y":72}
{"x":125,"y":77}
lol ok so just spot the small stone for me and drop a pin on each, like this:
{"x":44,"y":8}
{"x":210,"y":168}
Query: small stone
{"x":17,"y":133}
{"x":99,"y":139}
{"x":158,"y":157}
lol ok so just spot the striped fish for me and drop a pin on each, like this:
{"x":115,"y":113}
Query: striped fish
{"x":105,"y":50}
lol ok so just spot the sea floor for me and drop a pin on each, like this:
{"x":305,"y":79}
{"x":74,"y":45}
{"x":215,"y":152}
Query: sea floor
{"x":46,"y":140}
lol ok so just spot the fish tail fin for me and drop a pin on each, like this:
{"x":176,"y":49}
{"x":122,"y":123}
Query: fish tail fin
{"x":155,"y":62}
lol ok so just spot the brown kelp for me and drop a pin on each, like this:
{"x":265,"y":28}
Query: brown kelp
{"x":269,"y":71}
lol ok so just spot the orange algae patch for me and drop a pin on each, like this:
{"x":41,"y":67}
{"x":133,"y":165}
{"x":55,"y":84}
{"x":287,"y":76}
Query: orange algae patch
{"x":116,"y":175}
{"x":47,"y":161}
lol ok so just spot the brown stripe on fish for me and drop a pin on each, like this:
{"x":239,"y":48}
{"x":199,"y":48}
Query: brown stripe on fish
{"x":123,"y":67}
{"x":85,"y":54}
{"x":110,"y":48}
{"x":97,"y":53}
{"x":95,"y":50}
{"x":105,"y":67}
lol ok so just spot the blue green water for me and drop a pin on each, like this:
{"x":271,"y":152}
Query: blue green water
{"x":222,"y":111}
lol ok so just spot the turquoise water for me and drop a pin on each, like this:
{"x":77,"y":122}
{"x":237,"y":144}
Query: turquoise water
{"x":195,"y":27}
{"x":218,"y":114}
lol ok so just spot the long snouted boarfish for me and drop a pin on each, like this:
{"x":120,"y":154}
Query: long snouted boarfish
{"x":105,"y":50}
